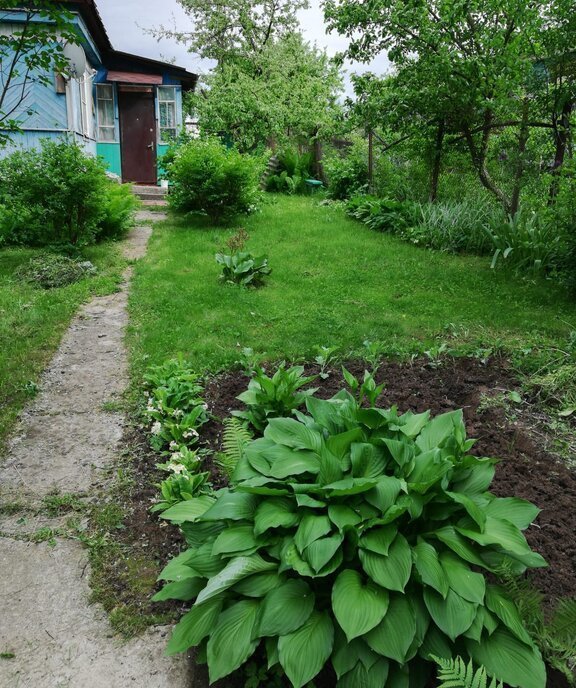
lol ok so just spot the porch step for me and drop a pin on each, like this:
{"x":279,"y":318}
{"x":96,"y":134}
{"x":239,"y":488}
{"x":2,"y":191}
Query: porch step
{"x":150,"y":193}
{"x":155,"y":203}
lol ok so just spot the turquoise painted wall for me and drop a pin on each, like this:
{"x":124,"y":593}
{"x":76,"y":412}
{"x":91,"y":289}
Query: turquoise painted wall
{"x":110,"y":152}
{"x":161,"y":150}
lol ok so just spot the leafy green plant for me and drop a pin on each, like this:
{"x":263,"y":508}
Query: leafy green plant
{"x":243,"y":268}
{"x":206,"y":177}
{"x":325,"y":357}
{"x":381,"y":214}
{"x":272,"y":397}
{"x":184,"y":481}
{"x":51,"y":270}
{"x":525,"y":243}
{"x":118,"y":212}
{"x":455,"y":673}
{"x":293,"y":170}
{"x":347,"y":540}
{"x":347,"y":172}
{"x":175,"y":407}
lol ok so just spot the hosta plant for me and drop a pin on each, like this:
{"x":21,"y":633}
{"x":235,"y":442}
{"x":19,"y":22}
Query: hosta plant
{"x":355,"y":540}
{"x":243,"y":268}
{"x":274,"y":396}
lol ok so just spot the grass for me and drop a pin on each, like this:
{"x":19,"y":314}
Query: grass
{"x":33,"y":320}
{"x":333,"y":282}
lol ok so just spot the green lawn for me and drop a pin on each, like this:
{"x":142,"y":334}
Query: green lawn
{"x":333,"y":282}
{"x":33,"y":320}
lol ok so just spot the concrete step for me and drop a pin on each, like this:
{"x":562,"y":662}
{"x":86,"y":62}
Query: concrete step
{"x":149,"y":192}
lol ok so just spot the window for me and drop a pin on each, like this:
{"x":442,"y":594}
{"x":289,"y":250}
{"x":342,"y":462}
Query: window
{"x":106,"y":114}
{"x":167,"y":113}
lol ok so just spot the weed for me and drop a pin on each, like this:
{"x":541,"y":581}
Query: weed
{"x":57,"y":504}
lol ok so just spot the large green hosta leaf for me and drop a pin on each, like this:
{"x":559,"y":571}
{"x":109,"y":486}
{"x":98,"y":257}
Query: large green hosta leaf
{"x":194,"y":626}
{"x":518,"y":511}
{"x":321,"y":551}
{"x":238,"y":539}
{"x":393,"y":571}
{"x":234,"y":571}
{"x":233,"y":506}
{"x":467,"y":583}
{"x":361,"y":677}
{"x":310,"y":529}
{"x":394,"y":634}
{"x":190,"y":510}
{"x":286,"y":609}
{"x":277,"y":512}
{"x":509,"y":660}
{"x":303,"y":653}
{"x":506,"y":611}
{"x":428,"y":566}
{"x":357,"y":607}
{"x":231,"y":643}
{"x":452,"y":615}
{"x":435,"y":432}
{"x":291,"y":433}
{"x":500,"y":533}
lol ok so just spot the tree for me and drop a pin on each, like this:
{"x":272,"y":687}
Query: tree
{"x":464,"y":64}
{"x":30,"y":54}
{"x":288,"y":91}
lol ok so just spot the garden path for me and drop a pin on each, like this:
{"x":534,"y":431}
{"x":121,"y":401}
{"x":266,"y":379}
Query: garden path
{"x":50,"y":636}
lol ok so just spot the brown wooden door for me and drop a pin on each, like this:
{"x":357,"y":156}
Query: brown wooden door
{"x":138,"y":137}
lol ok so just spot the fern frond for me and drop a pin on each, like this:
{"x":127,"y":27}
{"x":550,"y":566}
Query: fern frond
{"x":455,"y":673}
{"x":563,"y":624}
{"x":234,"y":440}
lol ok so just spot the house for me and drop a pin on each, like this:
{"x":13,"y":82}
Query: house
{"x":121,"y":107}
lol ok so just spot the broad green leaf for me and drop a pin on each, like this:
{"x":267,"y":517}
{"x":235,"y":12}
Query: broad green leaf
{"x":429,"y":567}
{"x":358,"y":608}
{"x":285,"y":462}
{"x":378,"y":540}
{"x":474,"y":511}
{"x":393,"y":571}
{"x":367,"y":460}
{"x":452,"y":615}
{"x":286,"y":609}
{"x":194,"y":626}
{"x":436,"y":431}
{"x":330,"y":467}
{"x":303,"y":653}
{"x":310,"y":529}
{"x":395,"y":633}
{"x":340,"y":444}
{"x":506,"y":611}
{"x":198,"y":533}
{"x":310,"y":502}
{"x":325,"y":413}
{"x":180,"y":567}
{"x":190,"y":510}
{"x":467,"y":583}
{"x":460,"y":545}
{"x":291,"y":433}
{"x":206,"y":563}
{"x":259,"y":584}
{"x":518,"y":511}
{"x":413,"y":423}
{"x":233,"y":506}
{"x":428,"y":470}
{"x":350,"y":486}
{"x":361,"y":677}
{"x":402,"y":452}
{"x":275,"y":513}
{"x":230,"y":643}
{"x":509,"y":660}
{"x":436,"y":644}
{"x":272,"y":651}
{"x":234,"y":571}
{"x":385,"y":492}
{"x":501,"y":533}
{"x":292,"y":559}
{"x":321,"y":551}
{"x":235,"y":539}
{"x":332,"y":565}
{"x":477,"y":479}
{"x":343,"y":516}
{"x":180,"y":590}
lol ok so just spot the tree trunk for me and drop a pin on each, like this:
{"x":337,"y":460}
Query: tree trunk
{"x":371,"y":161}
{"x":318,"y":157}
{"x":520,"y":163}
{"x":561,"y":138}
{"x":478,"y":155}
{"x":437,"y":162}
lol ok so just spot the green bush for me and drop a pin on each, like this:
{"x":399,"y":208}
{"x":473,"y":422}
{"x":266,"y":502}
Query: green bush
{"x":382,"y":214}
{"x":347,"y":172}
{"x":293,"y":170}
{"x":52,"y":270}
{"x":205,"y":177}
{"x":243,"y":268}
{"x":354,"y":538}
{"x":59,"y":195}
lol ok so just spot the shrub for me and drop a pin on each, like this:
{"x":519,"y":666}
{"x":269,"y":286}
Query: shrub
{"x":293,"y":170}
{"x":205,"y":177}
{"x":53,"y":195}
{"x":52,"y":270}
{"x":119,"y":204}
{"x":354,"y":538}
{"x":273,"y":397}
{"x":382,"y":214}
{"x":347,"y":172}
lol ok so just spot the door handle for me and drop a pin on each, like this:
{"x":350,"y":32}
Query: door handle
{"x":150,"y":145}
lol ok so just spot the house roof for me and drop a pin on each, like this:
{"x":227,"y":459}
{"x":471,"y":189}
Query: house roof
{"x":117,"y":60}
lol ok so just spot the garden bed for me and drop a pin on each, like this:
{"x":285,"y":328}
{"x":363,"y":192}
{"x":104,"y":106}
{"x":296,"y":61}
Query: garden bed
{"x":502,"y":428}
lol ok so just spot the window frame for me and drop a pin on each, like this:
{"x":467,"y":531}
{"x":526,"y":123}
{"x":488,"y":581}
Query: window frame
{"x":100,"y":126}
{"x":174,"y":102}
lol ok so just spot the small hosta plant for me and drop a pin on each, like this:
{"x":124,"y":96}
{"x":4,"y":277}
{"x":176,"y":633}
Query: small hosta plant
{"x":175,"y":408}
{"x":274,"y":396}
{"x":243,"y":268}
{"x":355,"y":540}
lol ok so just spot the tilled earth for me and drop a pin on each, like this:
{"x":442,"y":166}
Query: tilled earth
{"x":512,"y":433}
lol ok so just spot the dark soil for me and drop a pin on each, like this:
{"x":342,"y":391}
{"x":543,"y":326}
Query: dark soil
{"x":526,"y":469}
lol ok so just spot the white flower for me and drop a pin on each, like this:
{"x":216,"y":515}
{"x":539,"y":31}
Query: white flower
{"x":156,"y":429}
{"x":178,"y":413}
{"x":174,"y":446}
{"x":191,"y":433}
{"x":178,"y":468}
{"x":175,"y":458}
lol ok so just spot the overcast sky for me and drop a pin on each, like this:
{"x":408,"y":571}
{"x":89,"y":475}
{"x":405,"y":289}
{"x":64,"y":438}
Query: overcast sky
{"x":125,"y":22}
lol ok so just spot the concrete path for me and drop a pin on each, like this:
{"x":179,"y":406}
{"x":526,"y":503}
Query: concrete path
{"x":50,"y":637}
